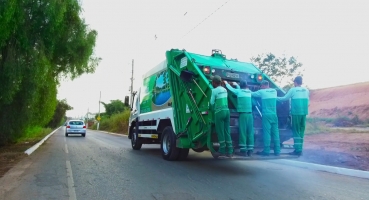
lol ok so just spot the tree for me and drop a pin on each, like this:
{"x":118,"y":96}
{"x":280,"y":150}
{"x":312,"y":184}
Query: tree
{"x":59,"y":113}
{"x":281,"y":70}
{"x":40,"y":42}
{"x":114,"y":107}
{"x":126,"y":101}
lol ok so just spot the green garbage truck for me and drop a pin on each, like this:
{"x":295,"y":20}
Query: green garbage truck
{"x":172,"y":107}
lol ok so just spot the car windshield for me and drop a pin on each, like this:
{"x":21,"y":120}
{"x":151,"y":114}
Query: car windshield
{"x":76,"y":123}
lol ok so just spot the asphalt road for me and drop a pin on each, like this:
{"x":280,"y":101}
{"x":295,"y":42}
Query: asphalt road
{"x":103,"y":166}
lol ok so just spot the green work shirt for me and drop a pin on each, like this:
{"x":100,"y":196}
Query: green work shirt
{"x":299,"y":100}
{"x":219,"y":99}
{"x":268,"y":100}
{"x":243,"y":98}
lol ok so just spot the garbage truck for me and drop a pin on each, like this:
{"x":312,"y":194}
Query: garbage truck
{"x":172,"y":107}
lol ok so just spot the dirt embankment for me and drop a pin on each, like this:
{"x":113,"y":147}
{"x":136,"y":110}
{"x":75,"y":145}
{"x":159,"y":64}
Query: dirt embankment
{"x":347,"y":100}
{"x":346,"y":148}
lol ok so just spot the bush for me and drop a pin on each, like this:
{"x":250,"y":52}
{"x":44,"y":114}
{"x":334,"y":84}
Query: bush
{"x":117,"y":123}
{"x":347,"y":122}
{"x":342,"y":122}
{"x":339,"y":121}
{"x":356,"y":120}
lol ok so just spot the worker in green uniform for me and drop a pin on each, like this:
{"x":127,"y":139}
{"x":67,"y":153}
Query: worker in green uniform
{"x":299,"y":109}
{"x":269,"y":118}
{"x":219,"y":103}
{"x":245,"y":119}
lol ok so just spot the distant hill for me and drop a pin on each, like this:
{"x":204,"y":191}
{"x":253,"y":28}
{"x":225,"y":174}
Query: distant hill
{"x":347,"y":100}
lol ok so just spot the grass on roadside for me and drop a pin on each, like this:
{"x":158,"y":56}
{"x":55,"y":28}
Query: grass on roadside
{"x":330,"y":125}
{"x":117,"y":123}
{"x":315,"y":126}
{"x":35,"y":133}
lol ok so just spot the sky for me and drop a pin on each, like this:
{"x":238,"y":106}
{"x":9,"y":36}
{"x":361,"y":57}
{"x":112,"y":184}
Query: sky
{"x":330,"y":38}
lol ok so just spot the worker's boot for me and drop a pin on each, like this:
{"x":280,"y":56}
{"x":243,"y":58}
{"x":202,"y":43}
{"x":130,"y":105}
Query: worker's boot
{"x":218,"y":155}
{"x":249,"y":152}
{"x":241,"y":153}
{"x":295,"y":153}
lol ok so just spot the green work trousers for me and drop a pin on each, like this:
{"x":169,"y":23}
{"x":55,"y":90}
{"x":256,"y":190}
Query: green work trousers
{"x":298,"y":129}
{"x":223,"y":131}
{"x":246,"y":131}
{"x":271,"y":131}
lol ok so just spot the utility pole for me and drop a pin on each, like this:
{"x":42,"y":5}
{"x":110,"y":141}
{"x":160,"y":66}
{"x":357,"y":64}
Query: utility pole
{"x":132,"y":95}
{"x":98,"y":118}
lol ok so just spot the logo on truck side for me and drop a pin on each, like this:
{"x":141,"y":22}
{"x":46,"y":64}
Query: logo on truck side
{"x":161,"y":90}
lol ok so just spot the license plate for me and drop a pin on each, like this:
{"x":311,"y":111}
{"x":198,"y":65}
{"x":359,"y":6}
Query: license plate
{"x":154,"y":136}
{"x":232,"y":75}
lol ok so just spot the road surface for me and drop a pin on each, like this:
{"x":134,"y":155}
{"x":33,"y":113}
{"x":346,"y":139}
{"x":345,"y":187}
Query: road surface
{"x":103,"y":166}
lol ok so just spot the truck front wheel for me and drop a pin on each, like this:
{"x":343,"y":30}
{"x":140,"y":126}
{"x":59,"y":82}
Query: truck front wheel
{"x":168,"y":147}
{"x":136,"y":142}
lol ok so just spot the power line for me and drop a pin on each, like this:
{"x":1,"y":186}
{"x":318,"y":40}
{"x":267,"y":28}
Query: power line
{"x":204,"y":19}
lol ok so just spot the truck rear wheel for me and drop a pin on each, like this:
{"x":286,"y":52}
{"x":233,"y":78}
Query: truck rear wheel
{"x":136,"y":142}
{"x":169,"y":151}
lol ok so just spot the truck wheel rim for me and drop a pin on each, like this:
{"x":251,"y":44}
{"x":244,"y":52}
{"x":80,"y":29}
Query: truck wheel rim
{"x":166,"y":144}
{"x":134,"y":138}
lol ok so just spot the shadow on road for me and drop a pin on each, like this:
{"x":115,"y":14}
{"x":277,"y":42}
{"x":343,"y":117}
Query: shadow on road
{"x":200,"y":162}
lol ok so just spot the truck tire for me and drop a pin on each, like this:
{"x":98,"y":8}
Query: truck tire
{"x":136,"y":142}
{"x":183,"y":153}
{"x":169,"y":151}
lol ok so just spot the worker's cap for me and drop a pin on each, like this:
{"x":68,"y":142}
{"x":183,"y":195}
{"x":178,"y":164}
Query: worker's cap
{"x":216,"y":78}
{"x":298,"y":80}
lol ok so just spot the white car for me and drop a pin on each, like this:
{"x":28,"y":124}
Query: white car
{"x":75,"y":127}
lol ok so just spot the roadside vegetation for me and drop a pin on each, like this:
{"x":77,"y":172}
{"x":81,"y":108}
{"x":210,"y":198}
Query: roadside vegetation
{"x":338,"y":124}
{"x":34,"y":134}
{"x":117,"y":123}
{"x":115,"y":118}
{"x":41,"y":42}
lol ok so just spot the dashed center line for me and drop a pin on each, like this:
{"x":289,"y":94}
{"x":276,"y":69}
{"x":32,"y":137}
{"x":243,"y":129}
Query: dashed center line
{"x":71,"y":190}
{"x":66,"y":148}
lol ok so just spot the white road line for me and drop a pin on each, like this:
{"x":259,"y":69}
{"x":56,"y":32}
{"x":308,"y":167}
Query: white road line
{"x":66,"y":148}
{"x":71,"y":190}
{"x":121,"y":135}
{"x":325,"y":168}
{"x":34,"y":147}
